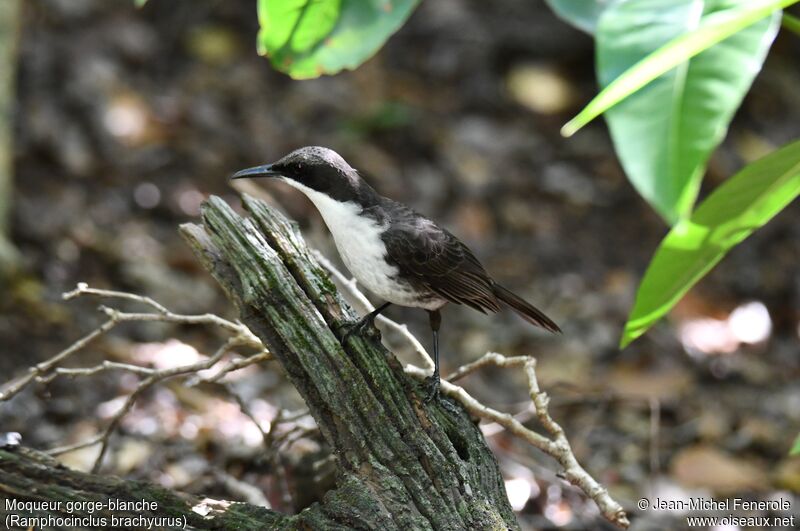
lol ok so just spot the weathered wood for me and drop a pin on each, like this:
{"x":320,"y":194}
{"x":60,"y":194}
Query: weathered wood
{"x":402,"y":464}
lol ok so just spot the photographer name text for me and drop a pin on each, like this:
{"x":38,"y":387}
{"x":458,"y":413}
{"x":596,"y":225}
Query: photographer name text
{"x":730,"y":504}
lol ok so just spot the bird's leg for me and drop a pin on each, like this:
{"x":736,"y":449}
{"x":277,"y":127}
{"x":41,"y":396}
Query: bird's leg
{"x":433,"y":382}
{"x":368,"y":319}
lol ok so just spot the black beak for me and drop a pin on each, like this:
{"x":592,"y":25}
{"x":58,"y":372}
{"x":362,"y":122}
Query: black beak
{"x":258,"y":171}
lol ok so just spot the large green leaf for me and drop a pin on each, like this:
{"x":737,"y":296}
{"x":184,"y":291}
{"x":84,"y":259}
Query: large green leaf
{"x":729,"y":215}
{"x":308,"y":38}
{"x":583,"y":14}
{"x":711,"y":31}
{"x":666,"y":131}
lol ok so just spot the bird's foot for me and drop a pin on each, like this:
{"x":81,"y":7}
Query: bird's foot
{"x":359,"y":326}
{"x":448,"y":405}
{"x":432,"y":386}
{"x":435,"y":395}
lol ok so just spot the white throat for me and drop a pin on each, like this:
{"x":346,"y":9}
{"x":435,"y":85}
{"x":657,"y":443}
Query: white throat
{"x":358,"y":240}
{"x":342,"y":218}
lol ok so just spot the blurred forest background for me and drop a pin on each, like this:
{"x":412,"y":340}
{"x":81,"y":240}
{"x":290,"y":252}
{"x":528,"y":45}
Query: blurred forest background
{"x":124,"y":120}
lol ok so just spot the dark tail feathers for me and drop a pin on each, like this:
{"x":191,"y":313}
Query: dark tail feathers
{"x":524,"y":309}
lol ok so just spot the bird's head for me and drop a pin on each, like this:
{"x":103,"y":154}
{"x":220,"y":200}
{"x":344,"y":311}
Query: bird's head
{"x":316,"y":168}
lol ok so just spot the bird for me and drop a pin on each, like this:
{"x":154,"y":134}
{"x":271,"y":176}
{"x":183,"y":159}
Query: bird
{"x":397,"y":254}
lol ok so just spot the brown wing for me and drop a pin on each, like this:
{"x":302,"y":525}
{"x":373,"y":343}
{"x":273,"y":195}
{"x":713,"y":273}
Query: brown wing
{"x":432,"y":258}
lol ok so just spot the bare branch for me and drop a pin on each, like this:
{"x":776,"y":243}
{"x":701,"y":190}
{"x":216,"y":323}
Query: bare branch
{"x":76,"y":446}
{"x":39,"y":373}
{"x":557,"y":446}
{"x":47,"y":371}
{"x":154,"y":377}
{"x":291,"y":416}
{"x":102,"y":367}
{"x":164,"y":314}
{"x":480,"y":410}
{"x":145,"y":384}
{"x":573,"y":471}
{"x":490,"y":358}
{"x":83,"y":289}
{"x":36,"y":371}
{"x":231,"y":366}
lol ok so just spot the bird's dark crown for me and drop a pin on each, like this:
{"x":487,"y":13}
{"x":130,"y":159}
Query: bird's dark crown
{"x":320,"y":169}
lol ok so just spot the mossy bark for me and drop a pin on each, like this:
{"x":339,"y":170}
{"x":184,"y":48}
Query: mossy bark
{"x":403,"y":464}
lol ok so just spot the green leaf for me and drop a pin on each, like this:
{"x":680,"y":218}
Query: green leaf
{"x":730,"y":214}
{"x":711,"y":31}
{"x":139,"y":3}
{"x":583,"y":14}
{"x":791,"y":23}
{"x":308,"y":38}
{"x":665,"y":133}
{"x":795,"y":447}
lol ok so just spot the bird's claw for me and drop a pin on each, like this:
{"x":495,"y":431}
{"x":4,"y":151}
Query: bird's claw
{"x":358,"y":326}
{"x":448,"y":405}
{"x":351,"y":330}
{"x":432,"y":385}
{"x":434,"y":394}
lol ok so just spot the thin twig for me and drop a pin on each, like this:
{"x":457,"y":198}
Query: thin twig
{"x":146,"y":384}
{"x":295,"y":415}
{"x":556,"y":446}
{"x":490,"y":358}
{"x":246,"y":410}
{"x":165,"y":315}
{"x":48,"y":370}
{"x":102,"y":367}
{"x":76,"y":446}
{"x":40,"y":372}
{"x":43,"y":367}
{"x":476,"y":408}
{"x":83,"y":289}
{"x":231,"y":366}
{"x":273,"y":443}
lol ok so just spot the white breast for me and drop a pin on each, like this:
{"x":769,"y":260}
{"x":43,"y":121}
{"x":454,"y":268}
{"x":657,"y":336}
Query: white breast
{"x":358,"y":240}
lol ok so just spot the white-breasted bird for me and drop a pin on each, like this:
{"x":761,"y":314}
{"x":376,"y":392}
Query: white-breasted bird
{"x":396,"y":253}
